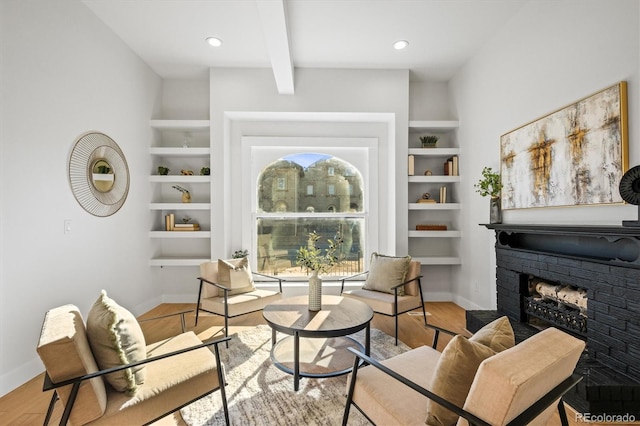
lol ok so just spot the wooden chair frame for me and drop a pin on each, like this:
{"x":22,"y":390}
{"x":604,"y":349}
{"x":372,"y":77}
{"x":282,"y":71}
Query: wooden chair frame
{"x":77,"y":381}
{"x":225,"y":291}
{"x":395,"y":300}
{"x":522,"y":419}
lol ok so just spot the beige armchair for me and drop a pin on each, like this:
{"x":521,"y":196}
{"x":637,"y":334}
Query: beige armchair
{"x":227,"y":289}
{"x":176,"y":371}
{"x":470,"y":382}
{"x":391,"y":287}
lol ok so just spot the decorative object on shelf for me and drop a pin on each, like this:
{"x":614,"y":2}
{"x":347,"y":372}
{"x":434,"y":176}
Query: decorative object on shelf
{"x":451,"y":166}
{"x":186,"y":219}
{"x":573,"y":156}
{"x":630,"y":192}
{"x":98,"y":174}
{"x":491,"y":185}
{"x":184,"y":172}
{"x":429,"y":141}
{"x":163,"y":171}
{"x":426,"y":199}
{"x":312,"y":259}
{"x":205,"y":171}
{"x":186,"y":196}
{"x":186,"y":141}
{"x":428,"y":172}
{"x":239,"y":254}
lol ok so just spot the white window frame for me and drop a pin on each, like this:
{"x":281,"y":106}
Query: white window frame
{"x":362,"y":153}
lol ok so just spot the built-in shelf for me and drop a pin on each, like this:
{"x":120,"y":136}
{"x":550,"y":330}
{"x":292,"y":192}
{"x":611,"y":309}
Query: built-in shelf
{"x":433,"y":234}
{"x":180,"y":234}
{"x":177,"y":261}
{"x":433,"y":125}
{"x":434,"y":179}
{"x":434,"y":206}
{"x":180,"y":151}
{"x":180,"y":206}
{"x":180,"y":124}
{"x":434,"y":152}
{"x":180,"y":178}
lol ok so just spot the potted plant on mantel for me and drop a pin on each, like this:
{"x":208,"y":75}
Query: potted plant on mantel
{"x":312,"y":259}
{"x":491,"y":185}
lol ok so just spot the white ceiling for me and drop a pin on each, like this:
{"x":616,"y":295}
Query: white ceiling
{"x":169,"y":35}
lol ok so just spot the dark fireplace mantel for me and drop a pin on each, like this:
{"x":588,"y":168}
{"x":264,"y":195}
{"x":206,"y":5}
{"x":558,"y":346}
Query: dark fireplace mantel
{"x":605,"y":262}
{"x":612,"y":245}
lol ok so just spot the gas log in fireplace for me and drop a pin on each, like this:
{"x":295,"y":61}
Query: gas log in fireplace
{"x":586,"y":281}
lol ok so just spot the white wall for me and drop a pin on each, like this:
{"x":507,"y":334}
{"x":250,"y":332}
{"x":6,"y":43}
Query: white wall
{"x":64,"y":73}
{"x":548,"y":56}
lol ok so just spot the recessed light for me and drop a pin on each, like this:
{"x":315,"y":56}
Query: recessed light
{"x":214,"y":41}
{"x":400,"y":44}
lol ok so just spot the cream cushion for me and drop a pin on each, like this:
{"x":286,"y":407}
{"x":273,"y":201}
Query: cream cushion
{"x":240,"y":304}
{"x":512,"y":380}
{"x":386,"y":272}
{"x":498,"y":335}
{"x":453,"y":376}
{"x":116,"y":339}
{"x":170,"y":382}
{"x":235,"y":274}
{"x":65,"y":352}
{"x":387,"y":401}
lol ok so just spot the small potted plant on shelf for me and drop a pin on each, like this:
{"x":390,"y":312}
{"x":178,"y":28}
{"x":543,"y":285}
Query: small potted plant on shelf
{"x":163,"y":171}
{"x":491,"y":185}
{"x":429,"y":141}
{"x":312,"y":259}
{"x":239,"y":254}
{"x":205,"y":171}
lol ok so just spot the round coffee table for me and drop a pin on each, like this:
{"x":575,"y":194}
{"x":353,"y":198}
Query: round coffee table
{"x":322,"y":351}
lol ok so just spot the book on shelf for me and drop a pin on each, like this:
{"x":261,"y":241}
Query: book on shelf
{"x":426,"y":201}
{"x":186,"y":227}
{"x":169,"y":222}
{"x":443,"y":194}
{"x":451,"y":166}
{"x":411,"y":165}
{"x":431,"y":227}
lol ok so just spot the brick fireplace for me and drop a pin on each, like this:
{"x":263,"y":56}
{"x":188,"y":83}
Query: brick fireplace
{"x":604,"y":262}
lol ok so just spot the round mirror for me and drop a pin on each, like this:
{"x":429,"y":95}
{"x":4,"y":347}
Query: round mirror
{"x":98,"y":174}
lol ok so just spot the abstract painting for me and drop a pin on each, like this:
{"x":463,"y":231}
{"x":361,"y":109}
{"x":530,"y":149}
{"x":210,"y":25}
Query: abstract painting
{"x":573,"y":156}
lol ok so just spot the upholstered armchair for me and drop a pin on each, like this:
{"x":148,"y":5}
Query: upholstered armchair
{"x":105,"y":373}
{"x":483,"y":380}
{"x":227,"y":289}
{"x":391,"y":287}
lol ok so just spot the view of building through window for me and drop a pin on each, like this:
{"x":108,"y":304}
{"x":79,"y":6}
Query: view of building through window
{"x":307,"y":192}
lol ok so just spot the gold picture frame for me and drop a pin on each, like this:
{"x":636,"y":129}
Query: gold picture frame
{"x":575,"y":155}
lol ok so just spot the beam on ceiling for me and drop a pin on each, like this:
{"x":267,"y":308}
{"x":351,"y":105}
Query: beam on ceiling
{"x":274,"y":24}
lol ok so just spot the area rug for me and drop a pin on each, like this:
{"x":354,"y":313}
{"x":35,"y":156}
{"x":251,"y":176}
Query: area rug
{"x":260,"y":394}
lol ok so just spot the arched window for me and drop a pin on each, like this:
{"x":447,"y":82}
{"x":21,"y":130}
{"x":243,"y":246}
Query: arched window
{"x":306,"y":192}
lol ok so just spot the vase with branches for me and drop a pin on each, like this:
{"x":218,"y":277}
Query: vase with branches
{"x":318,"y":261}
{"x":186,"y":195}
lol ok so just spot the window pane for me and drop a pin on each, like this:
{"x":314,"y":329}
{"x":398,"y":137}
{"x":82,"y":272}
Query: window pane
{"x":310,"y":182}
{"x":280,"y":238}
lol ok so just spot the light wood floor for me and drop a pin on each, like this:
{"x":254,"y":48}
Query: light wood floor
{"x":27,"y":405}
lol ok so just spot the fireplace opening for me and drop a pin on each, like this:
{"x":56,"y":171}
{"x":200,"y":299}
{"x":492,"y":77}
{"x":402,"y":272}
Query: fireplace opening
{"x":548,"y":303}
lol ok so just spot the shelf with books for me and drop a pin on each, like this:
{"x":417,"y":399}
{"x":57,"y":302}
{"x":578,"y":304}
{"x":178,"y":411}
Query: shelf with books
{"x":184,"y":148}
{"x":434,"y":173}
